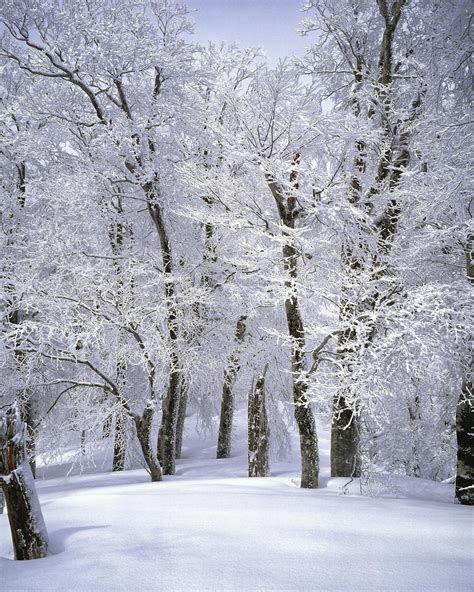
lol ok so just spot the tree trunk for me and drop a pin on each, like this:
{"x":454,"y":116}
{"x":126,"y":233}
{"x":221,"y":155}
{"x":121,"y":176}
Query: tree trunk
{"x":83,"y":442}
{"x":183,"y":403}
{"x":304,"y":417}
{"x":30,"y":540}
{"x":143,"y":427}
{"x":465,"y":442}
{"x":258,"y":430}
{"x":28,"y":415}
{"x":465,"y":414}
{"x":107,"y":427}
{"x":169,"y":422}
{"x":118,"y":461}
{"x":413,"y":465}
{"x":227,"y":405}
{"x":166,"y":447}
{"x":303,"y":413}
{"x":345,"y":456}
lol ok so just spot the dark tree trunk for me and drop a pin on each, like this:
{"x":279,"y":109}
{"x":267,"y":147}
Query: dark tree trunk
{"x":258,"y":430}
{"x":30,"y":540}
{"x":303,"y":412}
{"x":183,"y":404}
{"x":413,"y":465}
{"x":227,"y":413}
{"x":227,"y":405}
{"x":83,"y":441}
{"x":143,"y":427}
{"x":465,"y":414}
{"x":118,"y":461}
{"x":287,"y":209}
{"x":107,"y":427}
{"x":166,"y":447}
{"x":465,"y":442}
{"x":28,"y":415}
{"x":169,"y":422}
{"x":345,"y":456}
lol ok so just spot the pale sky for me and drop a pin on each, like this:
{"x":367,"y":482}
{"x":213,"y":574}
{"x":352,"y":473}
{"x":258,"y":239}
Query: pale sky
{"x":270,"y":24}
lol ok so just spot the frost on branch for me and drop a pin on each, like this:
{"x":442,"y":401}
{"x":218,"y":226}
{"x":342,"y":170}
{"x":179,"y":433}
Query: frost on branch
{"x":29,"y":537}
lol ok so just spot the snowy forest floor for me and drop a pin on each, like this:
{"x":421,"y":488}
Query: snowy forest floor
{"x":210,"y":527}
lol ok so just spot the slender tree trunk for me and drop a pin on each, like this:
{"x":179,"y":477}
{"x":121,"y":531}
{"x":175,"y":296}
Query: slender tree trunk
{"x":28,"y":414}
{"x":166,"y":446}
{"x":183,"y":404}
{"x":30,"y":540}
{"x":258,"y":430}
{"x":465,"y":414}
{"x":118,"y":461}
{"x":413,"y":465}
{"x":83,"y":442}
{"x":303,"y":412}
{"x":286,"y":205}
{"x":107,"y":427}
{"x":169,"y":422}
{"x":227,"y":405}
{"x":143,"y":426}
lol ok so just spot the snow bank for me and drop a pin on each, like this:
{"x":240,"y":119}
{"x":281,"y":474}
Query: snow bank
{"x":211,"y":528}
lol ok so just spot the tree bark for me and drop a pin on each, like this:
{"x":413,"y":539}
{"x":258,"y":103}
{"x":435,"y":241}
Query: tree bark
{"x":118,"y":460}
{"x":107,"y":426}
{"x":183,"y":404}
{"x":28,"y":414}
{"x":143,"y":427}
{"x":166,"y":446}
{"x":465,"y":414}
{"x":29,"y":536}
{"x":345,"y":456}
{"x":258,"y":430}
{"x":345,"y":425}
{"x":304,"y":417}
{"x":169,"y":421}
{"x":465,"y":445}
{"x":227,"y":405}
{"x":303,"y":413}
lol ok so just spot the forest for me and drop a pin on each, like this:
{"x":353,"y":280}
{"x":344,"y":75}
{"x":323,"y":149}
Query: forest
{"x":197,"y":243}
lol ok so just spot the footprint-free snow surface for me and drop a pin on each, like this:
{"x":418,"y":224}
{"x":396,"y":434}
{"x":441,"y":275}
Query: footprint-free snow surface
{"x":212,"y":528}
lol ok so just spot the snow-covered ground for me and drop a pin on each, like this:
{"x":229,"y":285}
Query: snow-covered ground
{"x":212,"y":528}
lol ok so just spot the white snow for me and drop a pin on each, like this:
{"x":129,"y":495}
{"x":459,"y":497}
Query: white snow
{"x":212,"y":528}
